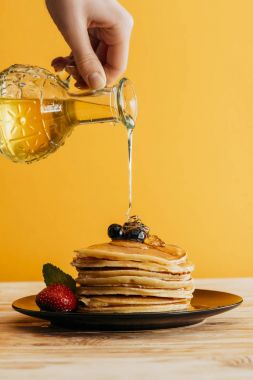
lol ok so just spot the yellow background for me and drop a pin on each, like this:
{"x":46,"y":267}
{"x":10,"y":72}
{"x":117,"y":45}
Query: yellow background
{"x":192,"y":66}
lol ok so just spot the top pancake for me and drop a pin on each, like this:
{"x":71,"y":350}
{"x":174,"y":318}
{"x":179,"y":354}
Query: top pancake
{"x":134,"y":251}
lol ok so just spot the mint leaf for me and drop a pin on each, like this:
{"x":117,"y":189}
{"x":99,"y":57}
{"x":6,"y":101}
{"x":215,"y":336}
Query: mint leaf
{"x":54,"y":275}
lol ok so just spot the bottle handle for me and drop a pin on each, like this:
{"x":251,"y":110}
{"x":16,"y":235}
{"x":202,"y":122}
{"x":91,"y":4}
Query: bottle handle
{"x":66,"y":78}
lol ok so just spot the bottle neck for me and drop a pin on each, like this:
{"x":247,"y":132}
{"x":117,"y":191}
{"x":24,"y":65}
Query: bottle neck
{"x":94,"y":107}
{"x":117,"y":104}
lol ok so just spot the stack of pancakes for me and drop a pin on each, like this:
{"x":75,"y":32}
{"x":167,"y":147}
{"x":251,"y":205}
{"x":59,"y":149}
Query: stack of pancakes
{"x":127,"y":276}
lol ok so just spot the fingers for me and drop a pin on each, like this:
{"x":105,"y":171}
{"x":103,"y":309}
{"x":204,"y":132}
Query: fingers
{"x":60,"y":63}
{"x":98,"y":33}
{"x":88,"y":64}
{"x":101,"y":52}
{"x":118,"y":41}
{"x":116,"y":60}
{"x":114,"y":43}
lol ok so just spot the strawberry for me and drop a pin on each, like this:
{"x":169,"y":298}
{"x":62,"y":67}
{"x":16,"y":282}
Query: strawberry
{"x":57,"y":297}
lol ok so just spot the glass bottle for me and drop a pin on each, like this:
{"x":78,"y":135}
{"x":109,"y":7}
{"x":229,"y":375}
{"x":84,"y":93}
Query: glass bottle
{"x":38,"y":111}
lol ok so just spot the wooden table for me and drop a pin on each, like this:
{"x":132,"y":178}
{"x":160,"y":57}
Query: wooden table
{"x":220,"y":348}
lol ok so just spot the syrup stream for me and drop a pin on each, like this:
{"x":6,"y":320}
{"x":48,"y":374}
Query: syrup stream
{"x":130,"y":175}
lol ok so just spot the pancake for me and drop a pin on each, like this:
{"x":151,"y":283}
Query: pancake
{"x":134,"y":308}
{"x":89,"y":262}
{"x":146,"y":282}
{"x":103,"y":301}
{"x":134,"y":252}
{"x":126,"y":304}
{"x":111,"y":272}
{"x":123,"y":290}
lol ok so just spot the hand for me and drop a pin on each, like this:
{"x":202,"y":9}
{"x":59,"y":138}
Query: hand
{"x":98,"y":33}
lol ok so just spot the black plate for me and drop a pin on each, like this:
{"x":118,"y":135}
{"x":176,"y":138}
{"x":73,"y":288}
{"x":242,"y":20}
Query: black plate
{"x":205,"y":303}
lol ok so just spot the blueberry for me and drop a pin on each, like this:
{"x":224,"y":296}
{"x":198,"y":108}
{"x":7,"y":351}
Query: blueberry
{"x":135,"y":234}
{"x":115,"y":231}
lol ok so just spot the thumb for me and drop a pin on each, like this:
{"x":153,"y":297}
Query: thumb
{"x":88,"y":64}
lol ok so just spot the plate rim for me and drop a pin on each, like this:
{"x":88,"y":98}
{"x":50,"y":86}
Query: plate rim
{"x":137,"y":313}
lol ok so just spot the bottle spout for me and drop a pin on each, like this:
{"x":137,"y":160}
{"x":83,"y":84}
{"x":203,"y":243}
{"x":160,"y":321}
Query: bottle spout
{"x":127,"y":103}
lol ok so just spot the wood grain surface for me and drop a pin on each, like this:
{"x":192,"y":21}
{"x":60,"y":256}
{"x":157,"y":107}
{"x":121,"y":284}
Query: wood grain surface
{"x":220,"y":348}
